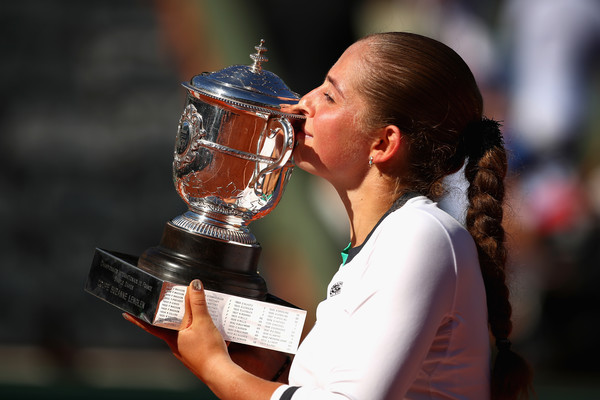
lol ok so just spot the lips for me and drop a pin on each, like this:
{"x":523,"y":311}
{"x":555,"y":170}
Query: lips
{"x":299,"y":131}
{"x":301,"y":135}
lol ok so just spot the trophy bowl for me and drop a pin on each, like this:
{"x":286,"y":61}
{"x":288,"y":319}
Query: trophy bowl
{"x":232,"y":151}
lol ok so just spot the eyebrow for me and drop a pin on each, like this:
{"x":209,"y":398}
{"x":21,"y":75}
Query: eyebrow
{"x":334,"y":83}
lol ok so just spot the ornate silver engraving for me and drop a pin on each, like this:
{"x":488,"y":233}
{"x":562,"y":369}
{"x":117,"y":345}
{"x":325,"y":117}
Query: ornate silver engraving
{"x":190,"y":132}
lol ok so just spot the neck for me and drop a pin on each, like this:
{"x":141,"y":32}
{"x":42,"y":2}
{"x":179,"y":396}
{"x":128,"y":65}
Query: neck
{"x":366,"y":204}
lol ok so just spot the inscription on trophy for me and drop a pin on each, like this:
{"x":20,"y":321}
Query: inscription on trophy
{"x":116,"y":279}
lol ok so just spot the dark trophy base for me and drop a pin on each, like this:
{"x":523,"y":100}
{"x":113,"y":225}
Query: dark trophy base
{"x":224,"y":267}
{"x":137,"y":285}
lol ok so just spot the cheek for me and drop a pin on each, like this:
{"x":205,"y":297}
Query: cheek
{"x":328,"y":139}
{"x":333,"y":129}
{"x":341,"y":150}
{"x":335,"y":144}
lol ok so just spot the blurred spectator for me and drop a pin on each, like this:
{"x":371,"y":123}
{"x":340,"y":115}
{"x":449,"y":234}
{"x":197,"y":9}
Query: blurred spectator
{"x":552,"y":52}
{"x":549,"y":44}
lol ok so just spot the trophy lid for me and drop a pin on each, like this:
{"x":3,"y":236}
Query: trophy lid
{"x":247,"y":86}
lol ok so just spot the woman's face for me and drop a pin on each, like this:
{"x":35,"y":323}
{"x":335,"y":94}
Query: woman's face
{"x":331,"y":142}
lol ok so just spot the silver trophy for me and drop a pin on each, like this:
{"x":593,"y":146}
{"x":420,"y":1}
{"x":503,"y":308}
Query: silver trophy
{"x":233,"y":149}
{"x":232,"y":161}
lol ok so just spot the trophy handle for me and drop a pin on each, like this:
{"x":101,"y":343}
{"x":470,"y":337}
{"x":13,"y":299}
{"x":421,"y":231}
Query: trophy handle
{"x":284,"y":156}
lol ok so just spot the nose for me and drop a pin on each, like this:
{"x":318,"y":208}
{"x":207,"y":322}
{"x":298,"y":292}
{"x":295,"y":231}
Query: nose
{"x":297,"y":108}
{"x":305,"y":105}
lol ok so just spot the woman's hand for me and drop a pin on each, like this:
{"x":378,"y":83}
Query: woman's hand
{"x":199,"y":344}
{"x":201,"y":348}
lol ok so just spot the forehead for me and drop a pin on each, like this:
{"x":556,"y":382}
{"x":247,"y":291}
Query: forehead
{"x":349,"y":68}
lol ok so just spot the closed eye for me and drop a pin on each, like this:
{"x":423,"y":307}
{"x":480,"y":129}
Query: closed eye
{"x":328,"y":98}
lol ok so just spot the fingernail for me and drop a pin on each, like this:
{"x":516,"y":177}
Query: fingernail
{"x":196,"y":284}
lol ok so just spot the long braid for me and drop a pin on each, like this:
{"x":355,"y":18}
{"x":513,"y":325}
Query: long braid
{"x":485,"y":171}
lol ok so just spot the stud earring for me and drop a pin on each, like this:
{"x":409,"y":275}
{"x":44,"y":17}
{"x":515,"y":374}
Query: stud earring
{"x":370,"y":161}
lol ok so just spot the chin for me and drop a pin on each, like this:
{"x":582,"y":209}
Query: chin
{"x":307,"y":160}
{"x":305,"y":165}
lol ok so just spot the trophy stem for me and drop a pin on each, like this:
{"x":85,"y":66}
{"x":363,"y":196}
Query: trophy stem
{"x":217,"y":226}
{"x":222,"y":266}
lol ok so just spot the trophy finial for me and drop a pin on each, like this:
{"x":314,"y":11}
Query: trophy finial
{"x":259,"y":57}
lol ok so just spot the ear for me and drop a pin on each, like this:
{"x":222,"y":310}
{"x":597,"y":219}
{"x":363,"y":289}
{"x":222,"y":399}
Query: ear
{"x":387,"y":144}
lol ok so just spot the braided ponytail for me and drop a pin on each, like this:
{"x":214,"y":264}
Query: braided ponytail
{"x":485,"y":171}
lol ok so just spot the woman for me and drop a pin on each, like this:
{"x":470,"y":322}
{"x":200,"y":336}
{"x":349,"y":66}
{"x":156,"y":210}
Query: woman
{"x":405,"y":315}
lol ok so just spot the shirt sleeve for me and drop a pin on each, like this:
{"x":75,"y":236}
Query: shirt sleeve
{"x":287,"y":392}
{"x":284,"y":392}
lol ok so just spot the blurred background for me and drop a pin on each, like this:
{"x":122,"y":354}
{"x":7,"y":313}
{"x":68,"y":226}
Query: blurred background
{"x":90,"y":102}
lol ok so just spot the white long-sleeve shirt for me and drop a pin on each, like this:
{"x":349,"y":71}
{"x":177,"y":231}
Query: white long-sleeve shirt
{"x":406,"y":317}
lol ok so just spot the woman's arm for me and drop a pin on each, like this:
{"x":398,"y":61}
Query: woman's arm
{"x":201,"y":348}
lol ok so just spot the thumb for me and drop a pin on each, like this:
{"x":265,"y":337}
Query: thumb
{"x":196,"y":301}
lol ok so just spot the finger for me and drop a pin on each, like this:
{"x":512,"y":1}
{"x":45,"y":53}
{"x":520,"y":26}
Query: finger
{"x":196,"y":301}
{"x":186,"y":320}
{"x":161,"y":333}
{"x":291,"y":108}
{"x":136,"y":321}
{"x":169,"y":336}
